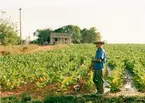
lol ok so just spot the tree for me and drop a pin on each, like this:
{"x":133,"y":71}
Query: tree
{"x":78,"y":36}
{"x":8,"y":31}
{"x":95,"y":35}
{"x":43,"y":36}
{"x":73,"y":30}
{"x":89,"y":36}
{"x":86,"y":36}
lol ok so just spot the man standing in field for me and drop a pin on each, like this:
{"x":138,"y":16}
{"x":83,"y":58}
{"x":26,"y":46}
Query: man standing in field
{"x":98,"y":65}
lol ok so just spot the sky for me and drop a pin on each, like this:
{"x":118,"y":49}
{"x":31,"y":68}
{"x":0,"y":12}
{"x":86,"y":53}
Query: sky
{"x":118,"y":21}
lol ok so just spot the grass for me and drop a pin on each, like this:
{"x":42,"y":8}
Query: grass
{"x":17,"y":49}
{"x":92,"y":98}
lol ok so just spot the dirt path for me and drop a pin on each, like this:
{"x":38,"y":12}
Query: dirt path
{"x":34,"y":92}
{"x":46,"y":48}
{"x":24,"y":49}
{"x":30,"y":89}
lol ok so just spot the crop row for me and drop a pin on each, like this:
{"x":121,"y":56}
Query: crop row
{"x":67,"y":66}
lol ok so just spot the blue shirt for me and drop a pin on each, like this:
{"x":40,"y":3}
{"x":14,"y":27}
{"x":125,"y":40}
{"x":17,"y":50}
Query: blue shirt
{"x":100,"y":54}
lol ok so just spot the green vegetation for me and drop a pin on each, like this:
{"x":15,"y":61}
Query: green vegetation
{"x":91,"y":35}
{"x":8,"y":31}
{"x":43,"y":36}
{"x":74,"y":99}
{"x":78,"y":35}
{"x":63,"y":66}
{"x":74,"y":30}
{"x":130,"y":57}
{"x":67,"y":66}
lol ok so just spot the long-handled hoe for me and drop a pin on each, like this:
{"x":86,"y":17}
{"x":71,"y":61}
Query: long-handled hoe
{"x":82,"y":80}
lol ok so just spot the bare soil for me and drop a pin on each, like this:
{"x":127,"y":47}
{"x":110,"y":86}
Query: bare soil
{"x":24,"y":49}
{"x":51,"y":89}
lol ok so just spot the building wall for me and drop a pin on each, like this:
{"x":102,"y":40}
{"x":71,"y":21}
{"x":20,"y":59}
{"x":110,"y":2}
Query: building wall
{"x":60,"y":40}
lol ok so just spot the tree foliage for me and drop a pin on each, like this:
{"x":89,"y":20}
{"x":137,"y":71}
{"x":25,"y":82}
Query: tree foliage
{"x":78,"y":35}
{"x":8,"y":31}
{"x":89,"y":36}
{"x":74,"y":30}
{"x":43,"y":36}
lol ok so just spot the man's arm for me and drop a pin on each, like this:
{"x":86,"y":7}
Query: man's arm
{"x":97,"y":60}
{"x":100,"y":56}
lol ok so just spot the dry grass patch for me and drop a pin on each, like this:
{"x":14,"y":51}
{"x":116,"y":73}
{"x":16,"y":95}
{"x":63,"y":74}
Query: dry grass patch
{"x":16,"y":49}
{"x":24,"y":49}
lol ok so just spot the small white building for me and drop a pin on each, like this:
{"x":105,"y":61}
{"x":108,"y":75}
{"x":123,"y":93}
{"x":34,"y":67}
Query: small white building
{"x":60,"y":38}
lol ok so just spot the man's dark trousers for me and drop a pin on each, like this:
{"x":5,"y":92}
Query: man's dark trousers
{"x":98,"y":81}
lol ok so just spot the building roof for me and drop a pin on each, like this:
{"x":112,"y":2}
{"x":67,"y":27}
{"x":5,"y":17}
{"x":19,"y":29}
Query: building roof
{"x":60,"y":34}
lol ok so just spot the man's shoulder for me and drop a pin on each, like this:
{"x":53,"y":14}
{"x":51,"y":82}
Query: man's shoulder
{"x":102,"y":50}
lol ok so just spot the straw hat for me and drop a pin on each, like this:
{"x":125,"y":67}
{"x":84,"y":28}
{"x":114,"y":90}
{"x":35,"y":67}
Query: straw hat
{"x":99,"y":42}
